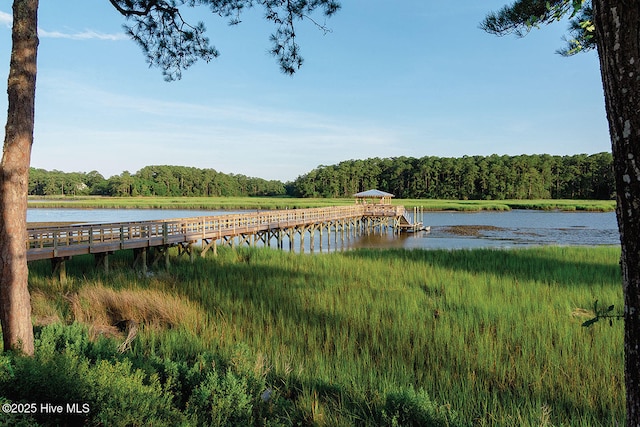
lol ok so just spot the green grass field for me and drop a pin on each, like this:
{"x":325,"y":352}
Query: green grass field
{"x":292,"y":203}
{"x":494,"y":336}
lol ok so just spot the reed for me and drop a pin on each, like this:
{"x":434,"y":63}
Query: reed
{"x":496,"y":335}
{"x":204,"y":203}
{"x":505,"y":205}
{"x":244,"y":203}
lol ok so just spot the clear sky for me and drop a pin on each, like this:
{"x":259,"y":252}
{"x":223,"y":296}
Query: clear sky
{"x":388,"y":81}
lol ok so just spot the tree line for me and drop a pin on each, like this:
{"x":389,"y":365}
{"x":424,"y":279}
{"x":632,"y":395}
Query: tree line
{"x":492,"y":177}
{"x":175,"y":181}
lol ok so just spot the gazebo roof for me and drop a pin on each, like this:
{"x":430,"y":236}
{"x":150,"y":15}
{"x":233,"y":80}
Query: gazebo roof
{"x":373,"y":193}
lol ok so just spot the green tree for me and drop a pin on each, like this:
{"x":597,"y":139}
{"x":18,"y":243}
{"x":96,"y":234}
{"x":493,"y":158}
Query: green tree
{"x":121,"y":185}
{"x":477,"y":177}
{"x":469,"y":172}
{"x":168,"y":42}
{"x":602,"y":176}
{"x":611,"y":27}
{"x":96,"y":182}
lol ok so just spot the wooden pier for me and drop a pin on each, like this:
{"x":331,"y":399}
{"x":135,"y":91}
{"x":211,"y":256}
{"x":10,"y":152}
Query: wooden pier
{"x":268,"y":227}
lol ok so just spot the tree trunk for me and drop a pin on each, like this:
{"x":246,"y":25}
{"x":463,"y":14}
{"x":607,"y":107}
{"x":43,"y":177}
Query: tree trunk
{"x":15,"y":304}
{"x":617,"y":30}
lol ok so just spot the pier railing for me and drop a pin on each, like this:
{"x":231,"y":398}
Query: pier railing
{"x":65,"y":241}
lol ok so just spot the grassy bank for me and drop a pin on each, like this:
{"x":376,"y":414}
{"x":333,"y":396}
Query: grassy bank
{"x":505,"y":205}
{"x":213,"y":203}
{"x":219,"y":203}
{"x":365,"y":337}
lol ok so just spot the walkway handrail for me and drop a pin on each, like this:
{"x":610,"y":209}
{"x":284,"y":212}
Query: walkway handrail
{"x":48,"y":242}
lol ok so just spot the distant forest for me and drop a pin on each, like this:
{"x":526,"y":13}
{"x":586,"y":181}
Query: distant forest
{"x":176,"y":181}
{"x":492,"y":177}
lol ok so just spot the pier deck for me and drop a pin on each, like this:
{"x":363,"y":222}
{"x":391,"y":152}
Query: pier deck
{"x":67,"y":241}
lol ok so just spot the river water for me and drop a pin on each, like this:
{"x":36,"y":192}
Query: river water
{"x":456,"y":230}
{"x":449,"y":230}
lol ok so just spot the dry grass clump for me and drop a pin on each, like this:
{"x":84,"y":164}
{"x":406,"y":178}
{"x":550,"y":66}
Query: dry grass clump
{"x":43,"y":309}
{"x":106,"y":310}
{"x":581,"y":312}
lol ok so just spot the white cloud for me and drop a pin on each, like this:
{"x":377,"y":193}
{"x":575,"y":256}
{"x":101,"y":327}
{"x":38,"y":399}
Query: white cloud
{"x":84,"y":35}
{"x":6,"y":19}
{"x":233,"y":137}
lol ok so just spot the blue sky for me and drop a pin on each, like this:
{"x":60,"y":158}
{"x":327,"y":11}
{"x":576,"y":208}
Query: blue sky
{"x":420,"y":80}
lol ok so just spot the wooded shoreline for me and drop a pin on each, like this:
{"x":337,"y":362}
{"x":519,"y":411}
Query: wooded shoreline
{"x":492,"y":177}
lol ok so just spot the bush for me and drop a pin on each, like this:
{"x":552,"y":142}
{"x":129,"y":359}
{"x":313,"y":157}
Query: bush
{"x":122,"y":396}
{"x":15,"y":420}
{"x":411,"y":408}
{"x":105,"y":387}
{"x":221,"y":401}
{"x":106,"y":392}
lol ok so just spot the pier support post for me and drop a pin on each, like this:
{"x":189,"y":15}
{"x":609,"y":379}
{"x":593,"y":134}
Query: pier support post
{"x":184,"y":248}
{"x":59,"y":267}
{"x":161,"y":252}
{"x":280,"y":232}
{"x":140,"y":259}
{"x":102,"y":261}
{"x":209,"y":244}
{"x":291,"y":234}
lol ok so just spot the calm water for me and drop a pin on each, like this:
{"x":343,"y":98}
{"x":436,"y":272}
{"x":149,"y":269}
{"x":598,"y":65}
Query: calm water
{"x":449,"y":230}
{"x":454,"y":230}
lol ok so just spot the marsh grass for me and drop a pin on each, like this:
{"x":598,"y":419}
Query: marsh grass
{"x":217,"y":203}
{"x":506,"y":205}
{"x":495,"y":335}
{"x":104,"y":308}
{"x":242,"y":203}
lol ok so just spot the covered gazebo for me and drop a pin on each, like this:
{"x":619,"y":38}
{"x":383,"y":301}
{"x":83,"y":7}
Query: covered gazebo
{"x":373,"y":197}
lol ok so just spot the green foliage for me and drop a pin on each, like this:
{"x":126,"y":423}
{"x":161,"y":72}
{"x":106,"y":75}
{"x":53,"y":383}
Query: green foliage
{"x":411,"y":408}
{"x":16,"y":419}
{"x":127,"y":396}
{"x":112,"y":389}
{"x":221,"y":401}
{"x":172,"y":44}
{"x":64,"y":371}
{"x":493,"y":177}
{"x":523,"y":15}
{"x":6,"y":369}
{"x":173,"y":181}
{"x":582,"y":33}
{"x":42,"y":182}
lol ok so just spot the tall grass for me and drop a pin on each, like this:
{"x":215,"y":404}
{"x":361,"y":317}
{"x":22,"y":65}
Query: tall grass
{"x":218,"y":203}
{"x":495,"y":335}
{"x":505,"y":205}
{"x":230,"y":203}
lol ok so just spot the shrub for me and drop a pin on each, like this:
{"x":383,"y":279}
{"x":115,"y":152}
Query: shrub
{"x":109,"y":392}
{"x":411,"y":408}
{"x":221,"y":401}
{"x":122,"y":396}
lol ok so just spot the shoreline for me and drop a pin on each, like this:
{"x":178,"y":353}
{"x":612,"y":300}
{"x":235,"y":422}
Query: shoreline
{"x":274,"y":203}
